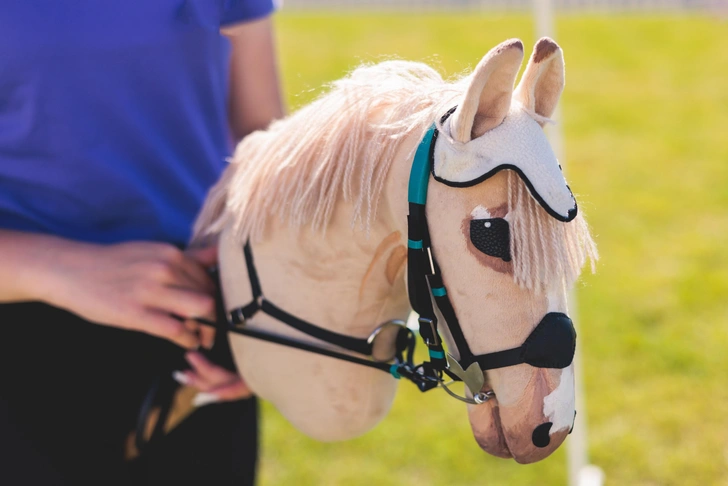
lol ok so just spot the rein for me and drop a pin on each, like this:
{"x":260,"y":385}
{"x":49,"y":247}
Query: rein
{"x":404,"y":343}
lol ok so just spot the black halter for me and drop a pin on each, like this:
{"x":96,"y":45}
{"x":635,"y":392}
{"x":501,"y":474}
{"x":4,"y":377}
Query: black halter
{"x":550,"y":345}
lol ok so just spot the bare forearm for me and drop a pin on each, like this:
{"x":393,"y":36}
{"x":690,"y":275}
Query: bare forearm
{"x":255,"y":94}
{"x":26,"y":264}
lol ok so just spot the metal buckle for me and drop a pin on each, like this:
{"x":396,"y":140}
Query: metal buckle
{"x":431,"y":323}
{"x":236,"y":315}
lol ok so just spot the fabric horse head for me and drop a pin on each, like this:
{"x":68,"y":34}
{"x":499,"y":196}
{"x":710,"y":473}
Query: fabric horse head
{"x":322,"y":198}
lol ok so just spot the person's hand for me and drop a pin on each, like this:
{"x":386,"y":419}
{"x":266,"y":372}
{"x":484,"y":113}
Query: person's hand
{"x":139,"y":286}
{"x":216,"y":384}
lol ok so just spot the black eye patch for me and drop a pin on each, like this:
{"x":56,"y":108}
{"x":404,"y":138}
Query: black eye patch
{"x":492,"y":237}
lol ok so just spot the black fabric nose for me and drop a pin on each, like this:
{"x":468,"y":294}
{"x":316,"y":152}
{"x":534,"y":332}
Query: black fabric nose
{"x":540,"y":436}
{"x":552,"y":343}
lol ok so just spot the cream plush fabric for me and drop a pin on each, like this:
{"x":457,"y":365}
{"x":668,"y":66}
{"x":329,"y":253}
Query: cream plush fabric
{"x":519,"y":142}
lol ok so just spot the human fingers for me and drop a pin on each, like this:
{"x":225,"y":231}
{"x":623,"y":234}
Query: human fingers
{"x":206,"y":256}
{"x":197,"y":274}
{"x":207,"y":336}
{"x":165,"y":326}
{"x":192,"y":379}
{"x":205,"y":333}
{"x":181,"y":302}
{"x":192,"y":326}
{"x":208,"y":377}
{"x":231,"y":392}
{"x":170,"y":265}
{"x":214,"y":374}
{"x":194,"y":264}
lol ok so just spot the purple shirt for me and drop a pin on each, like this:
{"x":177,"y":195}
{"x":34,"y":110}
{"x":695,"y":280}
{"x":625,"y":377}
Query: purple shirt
{"x":113,"y":115}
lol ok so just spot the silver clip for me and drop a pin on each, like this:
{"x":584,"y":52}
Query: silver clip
{"x":472,"y":377}
{"x":478,"y":398}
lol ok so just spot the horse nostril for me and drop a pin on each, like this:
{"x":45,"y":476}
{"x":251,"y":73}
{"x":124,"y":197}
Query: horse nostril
{"x":540,"y":436}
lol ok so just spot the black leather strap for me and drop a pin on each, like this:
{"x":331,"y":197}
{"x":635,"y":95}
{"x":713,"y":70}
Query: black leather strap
{"x":404,"y":343}
{"x":451,"y":319}
{"x":259,"y":303}
{"x":252,"y":271}
{"x":357,"y":345}
{"x":292,"y":343}
{"x":498,"y":359}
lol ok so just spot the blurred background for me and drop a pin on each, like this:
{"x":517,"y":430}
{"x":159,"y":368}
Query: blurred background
{"x":645,"y":140}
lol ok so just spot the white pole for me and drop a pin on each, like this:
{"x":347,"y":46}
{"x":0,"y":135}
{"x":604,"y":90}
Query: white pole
{"x":580,"y":473}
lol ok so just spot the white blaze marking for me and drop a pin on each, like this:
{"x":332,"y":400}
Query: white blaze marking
{"x":480,"y":213}
{"x":557,"y":301}
{"x":558,"y":406}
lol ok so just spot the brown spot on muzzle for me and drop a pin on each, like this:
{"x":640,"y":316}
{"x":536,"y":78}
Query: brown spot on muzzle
{"x":528,"y":432}
{"x":493,"y":442}
{"x":544,"y":48}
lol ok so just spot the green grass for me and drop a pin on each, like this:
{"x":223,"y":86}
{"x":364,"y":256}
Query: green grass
{"x":646,"y":119}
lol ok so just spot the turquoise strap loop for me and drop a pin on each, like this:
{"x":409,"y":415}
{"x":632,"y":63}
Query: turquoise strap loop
{"x":394,"y":372}
{"x":415,"y":244}
{"x":420,"y":173}
{"x":437,"y":354}
{"x":439,"y":291}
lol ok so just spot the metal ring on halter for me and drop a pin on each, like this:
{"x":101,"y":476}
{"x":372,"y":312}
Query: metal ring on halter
{"x":383,"y":340}
{"x":478,"y":398}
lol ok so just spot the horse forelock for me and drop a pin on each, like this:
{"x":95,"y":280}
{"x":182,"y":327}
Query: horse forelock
{"x":547,"y":253}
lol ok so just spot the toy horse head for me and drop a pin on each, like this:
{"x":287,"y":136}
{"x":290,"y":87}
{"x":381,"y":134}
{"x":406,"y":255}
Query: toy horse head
{"x":497,"y":242}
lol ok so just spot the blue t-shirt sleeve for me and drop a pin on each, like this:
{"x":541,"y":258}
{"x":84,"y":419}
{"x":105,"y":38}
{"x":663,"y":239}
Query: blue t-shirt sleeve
{"x":244,"y":10}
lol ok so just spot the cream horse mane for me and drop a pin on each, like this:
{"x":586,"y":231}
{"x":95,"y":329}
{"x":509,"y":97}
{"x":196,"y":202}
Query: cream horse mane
{"x":342,"y":145}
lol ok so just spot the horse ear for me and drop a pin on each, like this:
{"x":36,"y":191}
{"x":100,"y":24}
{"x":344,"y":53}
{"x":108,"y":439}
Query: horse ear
{"x":488,"y":96}
{"x":543,"y":81}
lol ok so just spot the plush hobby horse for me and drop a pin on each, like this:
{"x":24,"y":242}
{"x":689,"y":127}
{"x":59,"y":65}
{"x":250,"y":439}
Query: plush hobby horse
{"x":397,"y":190}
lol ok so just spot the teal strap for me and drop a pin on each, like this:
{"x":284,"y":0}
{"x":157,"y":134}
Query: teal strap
{"x":437,"y":354}
{"x":420,"y":173}
{"x":439,"y":291}
{"x":394,"y":372}
{"x":415,"y":245}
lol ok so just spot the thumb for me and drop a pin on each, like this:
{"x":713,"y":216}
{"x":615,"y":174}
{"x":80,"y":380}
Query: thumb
{"x":233,"y":391}
{"x":206,"y":257}
{"x":226,"y":393}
